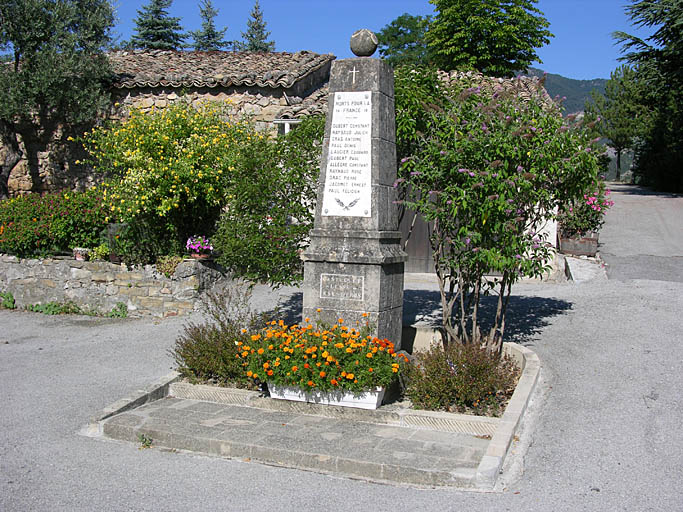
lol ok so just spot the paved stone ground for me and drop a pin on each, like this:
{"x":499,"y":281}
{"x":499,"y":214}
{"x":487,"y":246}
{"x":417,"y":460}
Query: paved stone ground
{"x":607,"y":437}
{"x":350,"y":448}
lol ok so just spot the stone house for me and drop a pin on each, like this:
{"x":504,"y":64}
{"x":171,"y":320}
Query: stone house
{"x":273,"y":89}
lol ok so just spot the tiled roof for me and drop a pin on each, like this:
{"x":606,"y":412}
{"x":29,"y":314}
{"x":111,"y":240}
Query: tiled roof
{"x":523,"y":86}
{"x":312,"y":105}
{"x":168,"y":68}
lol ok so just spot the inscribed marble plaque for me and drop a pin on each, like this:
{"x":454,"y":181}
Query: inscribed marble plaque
{"x":341,"y":286}
{"x":348,"y":181}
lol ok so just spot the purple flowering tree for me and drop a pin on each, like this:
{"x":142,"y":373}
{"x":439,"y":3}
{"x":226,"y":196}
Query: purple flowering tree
{"x":487,"y":170}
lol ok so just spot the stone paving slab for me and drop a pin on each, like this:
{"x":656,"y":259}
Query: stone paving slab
{"x":392,"y":444}
{"x":350,"y":448}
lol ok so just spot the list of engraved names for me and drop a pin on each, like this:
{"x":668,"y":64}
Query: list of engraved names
{"x":348,"y":180}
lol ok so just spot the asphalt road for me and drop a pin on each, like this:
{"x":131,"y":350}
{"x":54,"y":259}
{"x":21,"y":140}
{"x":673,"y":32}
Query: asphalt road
{"x":604,"y":431}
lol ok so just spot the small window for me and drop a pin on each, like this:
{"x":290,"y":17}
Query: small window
{"x":285,"y":125}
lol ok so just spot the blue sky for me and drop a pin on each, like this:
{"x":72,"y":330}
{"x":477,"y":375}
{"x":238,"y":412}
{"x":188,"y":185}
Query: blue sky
{"x":582,"y":47}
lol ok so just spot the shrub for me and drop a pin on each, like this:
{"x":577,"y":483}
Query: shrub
{"x":32,"y":225}
{"x":101,"y":252}
{"x":167,"y":264}
{"x":585,"y":214}
{"x":322,"y":358}
{"x":208,"y":352}
{"x":265,"y":227}
{"x":56,"y":308}
{"x":487,"y":169}
{"x":460,"y":378}
{"x":120,"y":310}
{"x":170,"y":172}
{"x":7,"y":301}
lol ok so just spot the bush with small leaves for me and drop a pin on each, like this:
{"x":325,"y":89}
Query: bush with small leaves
{"x":460,"y":378}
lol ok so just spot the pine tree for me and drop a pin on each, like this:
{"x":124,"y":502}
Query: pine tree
{"x":209,"y":38}
{"x":155,"y":29}
{"x":255,"y":38}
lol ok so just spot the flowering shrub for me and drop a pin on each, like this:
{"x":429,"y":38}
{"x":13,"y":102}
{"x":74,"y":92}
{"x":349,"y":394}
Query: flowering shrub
{"x":34,"y":225}
{"x":199,"y":245}
{"x":587,"y":214}
{"x":487,"y":168}
{"x":170,"y":171}
{"x":319,"y":358}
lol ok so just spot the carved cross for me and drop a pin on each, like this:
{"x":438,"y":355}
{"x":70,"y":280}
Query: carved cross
{"x":354,"y":74}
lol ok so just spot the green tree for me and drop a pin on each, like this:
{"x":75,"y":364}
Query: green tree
{"x":486,"y":170}
{"x":496,"y":37}
{"x":403,"y":40}
{"x":56,"y":72}
{"x":209,"y":38}
{"x":155,"y":29}
{"x":255,"y":38}
{"x":622,"y":117}
{"x":659,"y":157}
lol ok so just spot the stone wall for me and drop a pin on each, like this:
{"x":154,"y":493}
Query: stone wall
{"x":99,"y":285}
{"x":49,"y":163}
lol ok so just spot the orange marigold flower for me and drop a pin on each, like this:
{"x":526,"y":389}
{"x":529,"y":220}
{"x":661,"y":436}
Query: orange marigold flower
{"x":266,"y":366}
{"x":318,"y":310}
{"x":255,"y":337}
{"x":349,"y":350}
{"x":260,"y":351}
{"x":364,"y":315}
{"x":310,"y":383}
{"x":270,"y":372}
{"x":306,"y":365}
{"x":250,"y":373}
{"x":368,"y":355}
{"x":341,"y":320}
{"x":395,"y":370}
{"x":295,"y":368}
{"x":350,"y":376}
{"x":370,"y":370}
{"x":322,"y":374}
{"x":334,"y":382}
{"x":343,"y":374}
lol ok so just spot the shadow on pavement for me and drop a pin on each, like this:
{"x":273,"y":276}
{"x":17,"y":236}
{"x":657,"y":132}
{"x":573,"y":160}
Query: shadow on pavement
{"x":526,"y":317}
{"x":639,"y":190}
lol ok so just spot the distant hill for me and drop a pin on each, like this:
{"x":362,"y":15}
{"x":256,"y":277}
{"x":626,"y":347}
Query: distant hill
{"x":576,"y":91}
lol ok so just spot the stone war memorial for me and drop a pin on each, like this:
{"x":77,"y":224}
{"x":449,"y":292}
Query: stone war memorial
{"x":354,"y":264}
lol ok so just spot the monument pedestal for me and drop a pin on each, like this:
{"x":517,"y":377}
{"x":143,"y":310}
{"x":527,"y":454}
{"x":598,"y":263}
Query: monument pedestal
{"x":354,"y":264}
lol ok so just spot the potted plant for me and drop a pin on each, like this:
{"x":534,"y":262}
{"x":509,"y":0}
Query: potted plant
{"x":333,"y":365}
{"x":81,"y":253}
{"x":580,"y":221}
{"x":199,"y":247}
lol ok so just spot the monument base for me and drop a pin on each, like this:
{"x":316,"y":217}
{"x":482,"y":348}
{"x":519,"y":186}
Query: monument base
{"x":354,"y":275}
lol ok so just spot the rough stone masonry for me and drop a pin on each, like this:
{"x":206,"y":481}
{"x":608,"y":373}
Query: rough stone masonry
{"x":354,"y":264}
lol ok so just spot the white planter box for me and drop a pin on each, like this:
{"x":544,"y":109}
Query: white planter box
{"x":371,"y":399}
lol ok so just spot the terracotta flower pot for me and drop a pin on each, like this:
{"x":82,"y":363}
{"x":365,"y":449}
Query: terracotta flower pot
{"x":586,"y":245}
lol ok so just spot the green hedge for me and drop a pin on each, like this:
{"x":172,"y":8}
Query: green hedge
{"x":34,"y":225}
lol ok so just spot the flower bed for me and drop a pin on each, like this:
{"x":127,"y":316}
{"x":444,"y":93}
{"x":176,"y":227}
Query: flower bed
{"x":322,"y":358}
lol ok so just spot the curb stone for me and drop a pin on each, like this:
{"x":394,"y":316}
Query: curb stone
{"x":154,"y":391}
{"x":501,"y":431}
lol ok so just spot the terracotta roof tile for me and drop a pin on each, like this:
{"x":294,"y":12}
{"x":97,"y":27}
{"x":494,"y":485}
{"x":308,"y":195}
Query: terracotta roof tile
{"x":168,"y":68}
{"x":523,"y":86}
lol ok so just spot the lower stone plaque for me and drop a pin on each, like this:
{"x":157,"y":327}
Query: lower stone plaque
{"x":341,"y":286}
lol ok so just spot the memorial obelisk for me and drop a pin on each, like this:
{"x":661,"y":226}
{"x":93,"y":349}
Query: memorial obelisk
{"x":354,"y":264}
